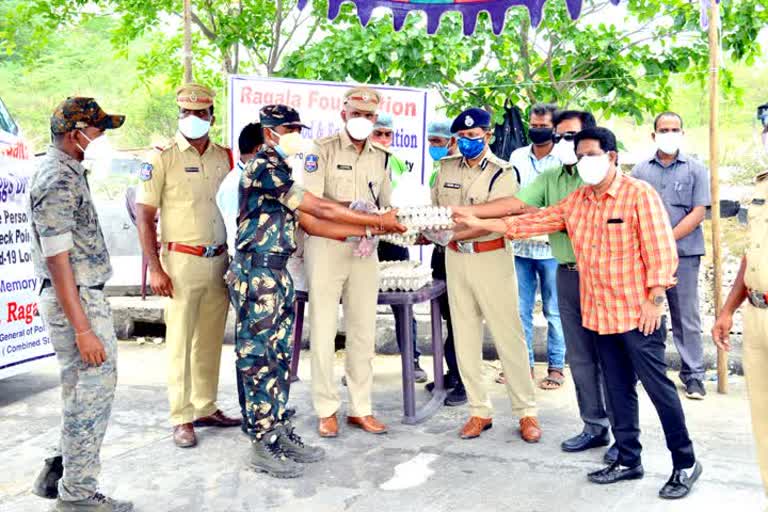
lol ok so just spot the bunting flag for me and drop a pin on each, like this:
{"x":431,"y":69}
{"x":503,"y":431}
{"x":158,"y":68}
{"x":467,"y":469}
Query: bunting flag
{"x":436,"y":8}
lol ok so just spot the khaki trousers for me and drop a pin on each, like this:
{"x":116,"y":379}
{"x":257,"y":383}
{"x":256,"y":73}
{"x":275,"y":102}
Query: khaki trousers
{"x":755,"y":357}
{"x":195,"y":319}
{"x":334,"y":273}
{"x":484,"y":286}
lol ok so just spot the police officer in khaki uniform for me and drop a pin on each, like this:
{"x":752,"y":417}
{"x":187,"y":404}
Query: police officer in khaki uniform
{"x":345,"y":167}
{"x":481,"y":276}
{"x":752,"y":284}
{"x":181,"y":181}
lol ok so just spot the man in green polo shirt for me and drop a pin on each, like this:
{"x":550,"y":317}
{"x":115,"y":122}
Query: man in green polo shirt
{"x":548,"y":189}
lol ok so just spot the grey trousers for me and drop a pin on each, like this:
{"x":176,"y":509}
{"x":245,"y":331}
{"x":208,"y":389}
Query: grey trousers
{"x":683,"y":302}
{"x":581,"y":350}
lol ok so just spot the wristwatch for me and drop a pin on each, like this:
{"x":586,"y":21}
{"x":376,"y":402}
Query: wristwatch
{"x":657,"y":300}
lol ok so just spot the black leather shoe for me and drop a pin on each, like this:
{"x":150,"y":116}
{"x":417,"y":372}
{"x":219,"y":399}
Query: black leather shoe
{"x":616,"y":473}
{"x":681,"y":482}
{"x":612,"y":455}
{"x":585,"y":441}
{"x":449,"y":382}
{"x":457,"y":396}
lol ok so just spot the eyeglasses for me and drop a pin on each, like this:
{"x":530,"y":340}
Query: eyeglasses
{"x":569,"y":136}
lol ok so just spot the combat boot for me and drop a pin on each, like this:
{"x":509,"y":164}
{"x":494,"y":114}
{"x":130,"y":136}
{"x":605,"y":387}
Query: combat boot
{"x":96,"y":503}
{"x":267,"y":457}
{"x":295,"y":449}
{"x":47,"y":482}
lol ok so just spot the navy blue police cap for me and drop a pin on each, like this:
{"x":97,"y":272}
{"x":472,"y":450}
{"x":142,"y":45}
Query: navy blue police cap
{"x":471,"y":118}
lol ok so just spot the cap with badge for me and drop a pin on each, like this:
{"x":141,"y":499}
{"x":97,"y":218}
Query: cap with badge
{"x":193,"y":96}
{"x":80,"y":112}
{"x":471,"y":118}
{"x":271,"y":116}
{"x":440,"y":128}
{"x":364,"y":99}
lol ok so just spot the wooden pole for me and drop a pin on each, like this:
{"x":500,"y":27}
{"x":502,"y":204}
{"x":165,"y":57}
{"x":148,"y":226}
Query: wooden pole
{"x":187,"y":41}
{"x":714,"y":114}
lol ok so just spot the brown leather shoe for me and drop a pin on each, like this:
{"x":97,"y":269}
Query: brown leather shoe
{"x":184,"y":435}
{"x":367,"y":423}
{"x":218,"y":419}
{"x":328,"y":427}
{"x":530,"y":430}
{"x":476,"y":426}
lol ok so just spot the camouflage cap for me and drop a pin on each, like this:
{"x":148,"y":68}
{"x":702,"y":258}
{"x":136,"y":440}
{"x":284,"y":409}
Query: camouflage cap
{"x":279,"y":115}
{"x":364,"y":99}
{"x":384,"y":121}
{"x":440,"y":128}
{"x":194,"y":96}
{"x":78,"y":112}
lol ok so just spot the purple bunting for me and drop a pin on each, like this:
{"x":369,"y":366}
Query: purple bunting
{"x":436,"y":8}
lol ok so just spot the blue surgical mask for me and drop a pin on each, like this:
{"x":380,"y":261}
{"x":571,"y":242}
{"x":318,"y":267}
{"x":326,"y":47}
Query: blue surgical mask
{"x":471,"y":148}
{"x":438,"y":152}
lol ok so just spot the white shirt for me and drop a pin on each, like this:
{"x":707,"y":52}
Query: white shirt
{"x":228,"y":201}
{"x":530,"y":167}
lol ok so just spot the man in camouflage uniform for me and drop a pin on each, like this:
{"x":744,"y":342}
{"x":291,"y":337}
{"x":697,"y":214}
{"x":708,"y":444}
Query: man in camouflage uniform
{"x":72,"y":263}
{"x":752,"y":284}
{"x":270,"y":202}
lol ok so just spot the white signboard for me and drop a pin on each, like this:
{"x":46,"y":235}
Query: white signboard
{"x":23,"y":339}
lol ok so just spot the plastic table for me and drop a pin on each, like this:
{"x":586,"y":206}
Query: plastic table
{"x":402,"y":304}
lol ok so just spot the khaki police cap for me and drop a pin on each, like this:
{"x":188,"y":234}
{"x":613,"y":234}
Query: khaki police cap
{"x":194,"y":97}
{"x":362,"y":98}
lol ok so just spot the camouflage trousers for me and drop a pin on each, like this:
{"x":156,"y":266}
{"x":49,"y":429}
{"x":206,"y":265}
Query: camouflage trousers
{"x":87,"y":391}
{"x":265,"y":317}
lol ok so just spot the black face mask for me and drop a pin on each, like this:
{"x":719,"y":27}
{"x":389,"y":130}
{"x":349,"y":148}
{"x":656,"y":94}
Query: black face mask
{"x":540,"y":136}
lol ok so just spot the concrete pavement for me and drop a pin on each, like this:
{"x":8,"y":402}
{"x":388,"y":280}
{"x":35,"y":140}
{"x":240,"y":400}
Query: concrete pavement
{"x":420,"y":468}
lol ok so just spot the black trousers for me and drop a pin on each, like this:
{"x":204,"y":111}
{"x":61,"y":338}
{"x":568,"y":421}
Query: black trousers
{"x":438,"y":272}
{"x":624,"y":358}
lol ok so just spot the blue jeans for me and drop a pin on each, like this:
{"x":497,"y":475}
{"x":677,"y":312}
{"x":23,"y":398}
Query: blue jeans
{"x":533,"y":274}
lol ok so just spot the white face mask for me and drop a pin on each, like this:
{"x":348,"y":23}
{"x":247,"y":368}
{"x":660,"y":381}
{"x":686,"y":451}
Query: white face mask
{"x":359,"y":128}
{"x":593,"y":169}
{"x":289,"y":143}
{"x":565,"y":150}
{"x":669,"y":143}
{"x":192,"y":127}
{"x":99,"y":148}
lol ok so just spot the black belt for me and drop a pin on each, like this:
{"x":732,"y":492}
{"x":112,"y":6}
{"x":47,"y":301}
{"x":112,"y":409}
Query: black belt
{"x":269,"y":260}
{"x":569,"y":266}
{"x":48,"y":284}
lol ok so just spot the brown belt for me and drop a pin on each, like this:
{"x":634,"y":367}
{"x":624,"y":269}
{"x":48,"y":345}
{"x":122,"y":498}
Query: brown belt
{"x":204,"y":251}
{"x":758,"y":299}
{"x":476,"y":247}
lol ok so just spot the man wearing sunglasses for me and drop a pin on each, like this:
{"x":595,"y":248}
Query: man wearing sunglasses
{"x":548,"y":189}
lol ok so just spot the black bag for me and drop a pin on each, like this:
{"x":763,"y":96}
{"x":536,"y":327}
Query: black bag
{"x":510,"y":134}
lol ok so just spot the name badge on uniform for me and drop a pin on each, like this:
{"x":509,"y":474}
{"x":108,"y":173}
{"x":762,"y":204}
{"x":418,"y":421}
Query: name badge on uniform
{"x":191,"y":169}
{"x":452,"y":185}
{"x":344,"y":167}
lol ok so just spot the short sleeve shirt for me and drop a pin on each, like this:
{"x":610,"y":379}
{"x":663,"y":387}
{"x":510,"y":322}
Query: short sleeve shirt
{"x":682,"y":185}
{"x":268,"y":201}
{"x":756,"y":275}
{"x":334,"y":169}
{"x":64,"y":218}
{"x":547,"y":189}
{"x":458,"y":184}
{"x":182,"y":183}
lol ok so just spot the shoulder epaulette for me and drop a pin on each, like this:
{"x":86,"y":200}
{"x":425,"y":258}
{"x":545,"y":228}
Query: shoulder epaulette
{"x":761,"y":177}
{"x":378,"y":146}
{"x":327,"y":140}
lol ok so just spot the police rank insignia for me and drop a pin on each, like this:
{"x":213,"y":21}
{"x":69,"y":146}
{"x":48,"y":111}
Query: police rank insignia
{"x":310,"y":163}
{"x":145,"y":171}
{"x":469,"y":122}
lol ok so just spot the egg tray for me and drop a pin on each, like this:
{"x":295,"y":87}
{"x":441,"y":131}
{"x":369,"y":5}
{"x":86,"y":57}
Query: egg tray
{"x":418,"y":219}
{"x":403,"y":276}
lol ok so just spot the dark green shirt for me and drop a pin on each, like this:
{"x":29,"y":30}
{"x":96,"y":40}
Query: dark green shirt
{"x":549,"y":188}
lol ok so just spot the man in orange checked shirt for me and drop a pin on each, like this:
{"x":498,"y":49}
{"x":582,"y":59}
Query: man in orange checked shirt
{"x":627,"y":258}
